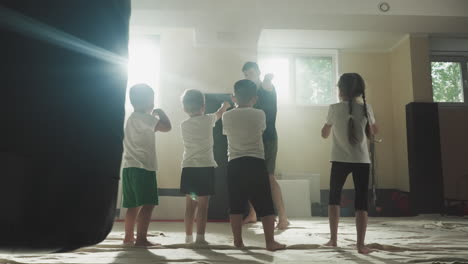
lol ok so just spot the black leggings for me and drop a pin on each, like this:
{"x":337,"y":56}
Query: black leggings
{"x":339,"y":173}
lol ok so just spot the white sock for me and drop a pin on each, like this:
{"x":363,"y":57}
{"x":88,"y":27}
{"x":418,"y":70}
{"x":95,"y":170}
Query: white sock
{"x":188,"y":239}
{"x":201,"y":239}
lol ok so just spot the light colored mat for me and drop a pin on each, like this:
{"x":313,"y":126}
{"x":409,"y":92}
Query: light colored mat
{"x":395,"y":240}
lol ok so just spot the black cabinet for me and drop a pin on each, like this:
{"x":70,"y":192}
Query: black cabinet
{"x":424,"y":158}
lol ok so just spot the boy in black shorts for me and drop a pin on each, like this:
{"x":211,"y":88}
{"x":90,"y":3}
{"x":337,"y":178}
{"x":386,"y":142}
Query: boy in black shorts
{"x":266,"y":93}
{"x":198,"y":164}
{"x":248,"y":178}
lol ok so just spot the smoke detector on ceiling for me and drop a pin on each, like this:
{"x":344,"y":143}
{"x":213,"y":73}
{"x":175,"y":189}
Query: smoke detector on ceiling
{"x":384,"y":7}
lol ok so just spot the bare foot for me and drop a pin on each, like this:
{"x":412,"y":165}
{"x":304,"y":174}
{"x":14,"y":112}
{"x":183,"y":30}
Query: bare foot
{"x":202,"y":242}
{"x":364,"y":250}
{"x":146,"y":243}
{"x":273,"y":246}
{"x":239,"y":244}
{"x":129,"y":241}
{"x":282,"y":225}
{"x":249,"y":220}
{"x":331,"y":243}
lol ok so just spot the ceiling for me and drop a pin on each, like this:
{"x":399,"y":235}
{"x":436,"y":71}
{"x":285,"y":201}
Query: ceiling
{"x":342,"y":7}
{"x":320,"y":39}
{"x":346,"y":24}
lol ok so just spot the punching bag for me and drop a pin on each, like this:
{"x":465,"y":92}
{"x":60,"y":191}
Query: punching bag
{"x":219,"y":203}
{"x":63,"y":81}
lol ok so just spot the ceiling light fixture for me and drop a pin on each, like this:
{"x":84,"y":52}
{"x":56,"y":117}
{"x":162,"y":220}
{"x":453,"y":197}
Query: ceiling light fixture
{"x":384,"y":7}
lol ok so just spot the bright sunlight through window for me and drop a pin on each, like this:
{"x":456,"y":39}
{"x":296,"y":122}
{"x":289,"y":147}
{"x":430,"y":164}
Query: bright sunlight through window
{"x":280,"y":69}
{"x":143,"y":65}
{"x":302,"y":79}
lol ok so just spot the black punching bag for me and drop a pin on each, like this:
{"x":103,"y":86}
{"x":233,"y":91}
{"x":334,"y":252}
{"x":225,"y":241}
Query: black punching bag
{"x":62,"y":82}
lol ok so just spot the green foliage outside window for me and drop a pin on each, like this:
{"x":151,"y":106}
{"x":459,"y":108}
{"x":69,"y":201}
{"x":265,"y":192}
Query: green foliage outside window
{"x":314,"y":81}
{"x":447,"y":82}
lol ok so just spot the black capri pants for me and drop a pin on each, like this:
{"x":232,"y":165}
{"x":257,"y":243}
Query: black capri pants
{"x":339,"y":173}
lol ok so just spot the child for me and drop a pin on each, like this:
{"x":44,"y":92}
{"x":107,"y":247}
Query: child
{"x":140,"y":192}
{"x":267,"y":103}
{"x":248,"y":178}
{"x":351,"y":122}
{"x":197,"y":180}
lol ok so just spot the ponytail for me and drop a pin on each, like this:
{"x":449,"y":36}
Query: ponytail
{"x":351,"y":130}
{"x":351,"y":86}
{"x":352,"y":138}
{"x":366,"y":114}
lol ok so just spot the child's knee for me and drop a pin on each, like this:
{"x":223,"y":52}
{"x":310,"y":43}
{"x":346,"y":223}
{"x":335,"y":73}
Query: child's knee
{"x":148,"y":207}
{"x":272,"y":179}
{"x":203,"y":199}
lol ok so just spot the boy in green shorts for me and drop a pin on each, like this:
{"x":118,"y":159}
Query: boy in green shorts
{"x":140,"y":191}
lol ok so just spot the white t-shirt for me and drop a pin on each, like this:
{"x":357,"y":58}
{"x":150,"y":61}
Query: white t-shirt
{"x":342,"y":150}
{"x":197,"y":134}
{"x":139,"y":142}
{"x":244,"y":130}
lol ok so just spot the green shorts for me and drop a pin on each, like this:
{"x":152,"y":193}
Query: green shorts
{"x":139,"y":187}
{"x":271,"y":149}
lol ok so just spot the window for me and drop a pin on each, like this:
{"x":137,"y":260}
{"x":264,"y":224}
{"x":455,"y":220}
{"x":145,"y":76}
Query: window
{"x":302,"y":78}
{"x":449,"y":79}
{"x":279,"y":66}
{"x":143,"y":63}
{"x":315,"y":82}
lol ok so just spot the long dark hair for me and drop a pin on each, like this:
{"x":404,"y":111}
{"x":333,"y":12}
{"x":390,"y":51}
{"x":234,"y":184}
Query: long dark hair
{"x":352,"y":85}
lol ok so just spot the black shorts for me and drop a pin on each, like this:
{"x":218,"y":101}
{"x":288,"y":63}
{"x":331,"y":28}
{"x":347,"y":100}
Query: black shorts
{"x":248,"y":180}
{"x":198,"y":181}
{"x":339,"y":173}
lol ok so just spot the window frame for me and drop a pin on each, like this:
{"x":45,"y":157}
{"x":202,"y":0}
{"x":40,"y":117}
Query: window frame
{"x":291,"y":55}
{"x":463,"y":60}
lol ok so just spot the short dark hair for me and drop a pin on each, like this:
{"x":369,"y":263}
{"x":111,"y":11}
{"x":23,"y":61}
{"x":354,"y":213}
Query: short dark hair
{"x":244,"y":91}
{"x":193,"y":100}
{"x":139,"y":94}
{"x":250,"y":65}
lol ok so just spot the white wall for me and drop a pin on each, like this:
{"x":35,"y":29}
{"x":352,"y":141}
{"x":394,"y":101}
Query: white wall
{"x":214,"y":69}
{"x":301,"y":149}
{"x":393,"y":78}
{"x":402,"y":94}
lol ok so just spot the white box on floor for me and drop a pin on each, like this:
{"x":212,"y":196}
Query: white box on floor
{"x":296,"y":197}
{"x":169,"y":208}
{"x":313,"y":180}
